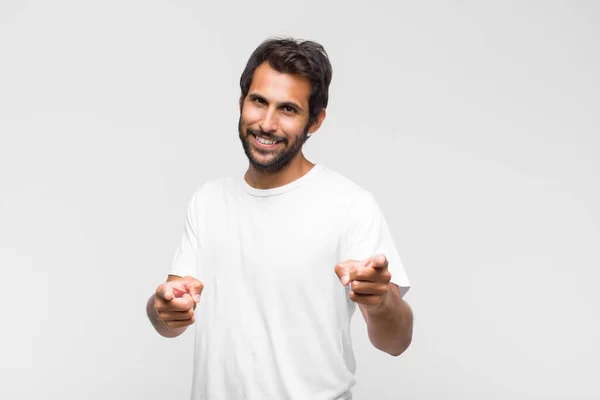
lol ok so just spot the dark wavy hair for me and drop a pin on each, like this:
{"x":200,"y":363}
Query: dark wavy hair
{"x":293,"y":56}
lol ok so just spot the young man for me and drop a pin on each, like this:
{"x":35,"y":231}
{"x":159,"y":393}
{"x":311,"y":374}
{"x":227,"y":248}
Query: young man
{"x":273,"y":263}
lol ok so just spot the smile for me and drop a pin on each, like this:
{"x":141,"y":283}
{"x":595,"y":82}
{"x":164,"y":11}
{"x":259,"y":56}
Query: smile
{"x":266,"y":142}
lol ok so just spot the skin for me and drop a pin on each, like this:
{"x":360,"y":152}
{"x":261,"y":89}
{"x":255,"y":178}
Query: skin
{"x":389,"y":318}
{"x":171,"y":308}
{"x":276,"y":107}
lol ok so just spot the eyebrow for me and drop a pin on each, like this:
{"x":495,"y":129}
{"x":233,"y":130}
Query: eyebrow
{"x":256,"y":96}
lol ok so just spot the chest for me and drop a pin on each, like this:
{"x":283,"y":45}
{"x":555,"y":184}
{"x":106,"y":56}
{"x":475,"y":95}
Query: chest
{"x":271,"y":245}
{"x":269,"y":271}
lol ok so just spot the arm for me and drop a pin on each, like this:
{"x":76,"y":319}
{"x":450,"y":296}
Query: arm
{"x":389,"y":319}
{"x":390,"y":325}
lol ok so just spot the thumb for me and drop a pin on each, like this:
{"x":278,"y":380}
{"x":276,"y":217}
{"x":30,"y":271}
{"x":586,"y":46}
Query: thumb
{"x":342,"y":270}
{"x":195,"y":288}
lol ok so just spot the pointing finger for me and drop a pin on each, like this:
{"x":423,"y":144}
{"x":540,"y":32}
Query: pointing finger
{"x":345,"y":278}
{"x":195,"y":288}
{"x":342,"y":270}
{"x":348,"y":270}
{"x":170,"y":290}
{"x":378,"y":261}
{"x":165,"y":291}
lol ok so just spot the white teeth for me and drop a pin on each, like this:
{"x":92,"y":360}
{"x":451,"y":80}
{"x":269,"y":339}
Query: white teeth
{"x":265,"y":141}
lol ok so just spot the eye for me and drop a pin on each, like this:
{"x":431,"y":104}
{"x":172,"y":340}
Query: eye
{"x":259,"y":100}
{"x":289,"y":109}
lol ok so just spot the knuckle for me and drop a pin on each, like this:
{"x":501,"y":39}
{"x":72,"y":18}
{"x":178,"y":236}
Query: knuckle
{"x":174,"y":324}
{"x":174,"y":304}
{"x":184,"y":322}
{"x":162,"y":316}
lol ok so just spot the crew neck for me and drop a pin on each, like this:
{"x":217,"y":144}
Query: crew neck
{"x":280,"y":189}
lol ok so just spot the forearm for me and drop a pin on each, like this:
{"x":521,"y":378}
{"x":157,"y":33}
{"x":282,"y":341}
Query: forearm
{"x":159,"y":324}
{"x":390,"y":326}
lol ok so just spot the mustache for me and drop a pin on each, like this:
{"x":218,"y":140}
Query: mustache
{"x":260,"y":132}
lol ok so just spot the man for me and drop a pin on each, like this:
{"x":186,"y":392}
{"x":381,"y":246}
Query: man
{"x":273,"y":263}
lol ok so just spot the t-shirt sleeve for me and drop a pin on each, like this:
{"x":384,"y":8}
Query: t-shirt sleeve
{"x":185,"y":260}
{"x":367,"y":233}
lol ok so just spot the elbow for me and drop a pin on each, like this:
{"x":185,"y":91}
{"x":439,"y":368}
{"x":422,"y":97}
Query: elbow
{"x":406,"y":335}
{"x":403,"y":343}
{"x":396,"y":348}
{"x":402,"y":348}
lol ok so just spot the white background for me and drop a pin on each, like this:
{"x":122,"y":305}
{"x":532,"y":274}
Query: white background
{"x":475,"y":125}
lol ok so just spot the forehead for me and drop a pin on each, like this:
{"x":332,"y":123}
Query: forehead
{"x":280,"y":87}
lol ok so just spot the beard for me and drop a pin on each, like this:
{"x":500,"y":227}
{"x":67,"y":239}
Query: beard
{"x":275,"y":159}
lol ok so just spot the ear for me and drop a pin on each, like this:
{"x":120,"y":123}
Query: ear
{"x":318,"y":122}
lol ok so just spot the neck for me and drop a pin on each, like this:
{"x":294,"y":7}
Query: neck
{"x":260,"y":179}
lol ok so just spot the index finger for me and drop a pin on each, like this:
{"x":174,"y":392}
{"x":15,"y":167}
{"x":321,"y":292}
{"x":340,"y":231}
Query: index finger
{"x":378,"y":261}
{"x":169,"y":290}
{"x":356,"y":268}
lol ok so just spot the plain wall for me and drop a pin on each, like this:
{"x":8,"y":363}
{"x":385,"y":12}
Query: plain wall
{"x":475,"y":125}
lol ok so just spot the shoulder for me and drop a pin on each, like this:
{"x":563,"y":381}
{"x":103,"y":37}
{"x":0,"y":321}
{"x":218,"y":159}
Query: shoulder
{"x":348,"y":196}
{"x":355,"y":204}
{"x":214,"y":189}
{"x":338,"y":185}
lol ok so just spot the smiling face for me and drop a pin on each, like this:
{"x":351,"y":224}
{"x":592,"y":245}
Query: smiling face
{"x":274,"y":118}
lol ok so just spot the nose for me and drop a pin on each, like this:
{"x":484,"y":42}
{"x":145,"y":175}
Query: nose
{"x":269,"y":121}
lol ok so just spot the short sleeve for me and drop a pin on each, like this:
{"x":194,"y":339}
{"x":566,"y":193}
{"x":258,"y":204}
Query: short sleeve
{"x":186,"y":255}
{"x":367,"y":233}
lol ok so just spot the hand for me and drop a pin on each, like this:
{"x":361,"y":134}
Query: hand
{"x":175,"y":301}
{"x":369,"y":280}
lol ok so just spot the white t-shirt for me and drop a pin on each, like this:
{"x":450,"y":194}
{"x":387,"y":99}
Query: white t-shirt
{"x":273,"y":322}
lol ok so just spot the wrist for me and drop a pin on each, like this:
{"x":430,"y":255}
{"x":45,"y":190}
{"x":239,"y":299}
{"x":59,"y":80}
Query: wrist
{"x":385,"y":307}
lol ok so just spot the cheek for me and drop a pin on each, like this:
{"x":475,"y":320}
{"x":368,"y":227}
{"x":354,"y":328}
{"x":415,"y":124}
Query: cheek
{"x":250,"y":114}
{"x":291,"y":126}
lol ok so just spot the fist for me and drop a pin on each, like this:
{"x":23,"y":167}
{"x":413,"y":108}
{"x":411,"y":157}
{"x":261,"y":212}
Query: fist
{"x":175,"y":301}
{"x":369,"y":280}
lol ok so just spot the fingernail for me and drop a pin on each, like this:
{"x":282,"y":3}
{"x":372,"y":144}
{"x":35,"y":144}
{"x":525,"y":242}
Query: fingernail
{"x":345,"y":280}
{"x":196,"y":298}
